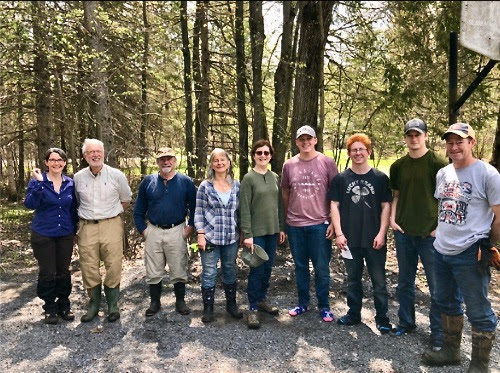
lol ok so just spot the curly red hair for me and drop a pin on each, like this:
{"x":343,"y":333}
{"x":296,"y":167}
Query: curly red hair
{"x":361,"y":137}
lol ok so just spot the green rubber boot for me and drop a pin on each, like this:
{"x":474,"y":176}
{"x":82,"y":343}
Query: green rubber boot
{"x":112,"y":295}
{"x":94,"y":303}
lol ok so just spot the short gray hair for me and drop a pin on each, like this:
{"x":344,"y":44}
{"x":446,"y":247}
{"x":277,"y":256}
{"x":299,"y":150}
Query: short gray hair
{"x":210,"y":170}
{"x":87,"y":142}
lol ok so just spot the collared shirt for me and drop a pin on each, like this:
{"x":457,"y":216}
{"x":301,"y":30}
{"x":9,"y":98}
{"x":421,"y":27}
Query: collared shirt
{"x":164,"y":202}
{"x":55,"y":213}
{"x":100,"y":196}
{"x":218,"y":221}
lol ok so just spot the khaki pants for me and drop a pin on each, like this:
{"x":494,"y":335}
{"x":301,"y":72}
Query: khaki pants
{"x":98,"y":242}
{"x":165,"y":246}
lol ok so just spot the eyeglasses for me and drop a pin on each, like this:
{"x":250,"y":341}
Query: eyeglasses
{"x":260,"y":152}
{"x":52,"y":160}
{"x":360,"y":150}
{"x":94,"y":152}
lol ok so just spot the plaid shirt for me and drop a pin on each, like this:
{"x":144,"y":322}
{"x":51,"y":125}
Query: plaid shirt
{"x":218,"y":221}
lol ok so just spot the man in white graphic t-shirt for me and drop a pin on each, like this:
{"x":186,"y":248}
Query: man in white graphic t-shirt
{"x":468,"y":193}
{"x":305,"y":181}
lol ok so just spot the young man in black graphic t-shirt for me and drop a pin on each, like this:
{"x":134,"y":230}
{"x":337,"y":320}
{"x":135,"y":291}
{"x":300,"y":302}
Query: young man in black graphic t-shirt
{"x":360,"y":209}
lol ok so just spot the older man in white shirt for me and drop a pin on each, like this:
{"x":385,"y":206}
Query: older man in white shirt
{"x":103,"y":193}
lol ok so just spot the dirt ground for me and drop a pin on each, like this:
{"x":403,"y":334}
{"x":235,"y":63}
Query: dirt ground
{"x":174,"y":343}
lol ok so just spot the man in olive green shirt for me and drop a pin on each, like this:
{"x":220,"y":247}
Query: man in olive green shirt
{"x":414,"y":221}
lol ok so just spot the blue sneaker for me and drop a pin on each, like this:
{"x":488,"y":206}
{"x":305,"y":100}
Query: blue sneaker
{"x":327,"y":315}
{"x":299,"y":310}
{"x":384,"y":328}
{"x":401,"y":330}
{"x":347,"y":320}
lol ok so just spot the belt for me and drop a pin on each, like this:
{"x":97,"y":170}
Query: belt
{"x":168,"y":226}
{"x":96,"y":221}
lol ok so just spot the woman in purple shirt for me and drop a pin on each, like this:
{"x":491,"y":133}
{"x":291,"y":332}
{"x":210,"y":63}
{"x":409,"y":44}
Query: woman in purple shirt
{"x":52,"y":195}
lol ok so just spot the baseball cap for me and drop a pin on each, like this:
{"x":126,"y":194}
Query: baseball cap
{"x":305,"y":130}
{"x":165,"y":152}
{"x":256,"y":258}
{"x":416,"y":124}
{"x":463,"y":130}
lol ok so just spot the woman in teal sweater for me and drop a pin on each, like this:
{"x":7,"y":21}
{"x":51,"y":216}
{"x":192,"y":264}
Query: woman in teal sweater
{"x":262,"y":223}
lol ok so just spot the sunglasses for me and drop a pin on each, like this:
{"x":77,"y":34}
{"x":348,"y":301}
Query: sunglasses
{"x":260,"y":152}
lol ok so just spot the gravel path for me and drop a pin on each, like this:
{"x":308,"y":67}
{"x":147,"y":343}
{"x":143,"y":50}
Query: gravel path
{"x":174,"y":343}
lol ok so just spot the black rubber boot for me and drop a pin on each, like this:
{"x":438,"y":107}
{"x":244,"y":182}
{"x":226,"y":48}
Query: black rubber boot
{"x":231,"y":306}
{"x":63,"y":290}
{"x":46,"y":291}
{"x":452,"y":337}
{"x":94,"y":304}
{"x":180,"y":293}
{"x":155,"y":294}
{"x":482,"y":343}
{"x":112,"y":295}
{"x":208,"y":304}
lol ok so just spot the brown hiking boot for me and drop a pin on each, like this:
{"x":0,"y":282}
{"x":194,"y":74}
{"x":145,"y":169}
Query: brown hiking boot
{"x":482,"y":342}
{"x":253,"y":320}
{"x":267,"y":308}
{"x":449,"y":354}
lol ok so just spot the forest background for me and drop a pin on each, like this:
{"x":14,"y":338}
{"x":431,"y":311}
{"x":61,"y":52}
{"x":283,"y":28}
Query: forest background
{"x":196,"y":75}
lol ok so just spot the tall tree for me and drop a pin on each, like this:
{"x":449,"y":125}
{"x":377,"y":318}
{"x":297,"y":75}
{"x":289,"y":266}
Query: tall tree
{"x":239,"y":38}
{"x":189,"y":147}
{"x":43,"y":92}
{"x":144,"y":89}
{"x":201,"y":67}
{"x":495,"y":157}
{"x":257,"y":38}
{"x":104,"y":121}
{"x":283,"y":86}
{"x":309,"y":64}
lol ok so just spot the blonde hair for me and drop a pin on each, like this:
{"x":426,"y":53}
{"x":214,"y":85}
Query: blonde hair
{"x":210,"y":170}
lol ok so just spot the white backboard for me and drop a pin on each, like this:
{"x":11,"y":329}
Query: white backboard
{"x":480,"y":27}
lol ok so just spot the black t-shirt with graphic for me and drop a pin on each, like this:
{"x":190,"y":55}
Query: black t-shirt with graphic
{"x":360,"y":198}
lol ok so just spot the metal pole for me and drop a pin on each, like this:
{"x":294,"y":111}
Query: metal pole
{"x":480,"y":76}
{"x":453,"y":78}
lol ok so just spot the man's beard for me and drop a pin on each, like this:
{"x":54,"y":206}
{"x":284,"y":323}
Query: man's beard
{"x":166,"y":169}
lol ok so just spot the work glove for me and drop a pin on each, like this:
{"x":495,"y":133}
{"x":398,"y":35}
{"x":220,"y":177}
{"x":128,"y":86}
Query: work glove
{"x":487,"y":256}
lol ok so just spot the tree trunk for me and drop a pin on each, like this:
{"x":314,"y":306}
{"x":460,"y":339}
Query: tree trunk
{"x":239,"y":38}
{"x":21,"y":175}
{"x":283,"y":87}
{"x":104,"y":120}
{"x":257,"y":38}
{"x":495,"y":157}
{"x":11,"y":176}
{"x":71,"y":148}
{"x":80,"y":114}
{"x":201,"y":67}
{"x":189,"y":147}
{"x":309,"y":64}
{"x":43,"y":94}
{"x":144,"y":92}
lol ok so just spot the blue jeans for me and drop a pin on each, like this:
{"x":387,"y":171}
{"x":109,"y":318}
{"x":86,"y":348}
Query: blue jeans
{"x":209,"y":261}
{"x":408,"y":250}
{"x":375,"y":264}
{"x":458,"y":280}
{"x":310,"y":243}
{"x":258,"y":277}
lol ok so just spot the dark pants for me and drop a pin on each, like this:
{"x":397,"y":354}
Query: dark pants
{"x":54,"y":278}
{"x":259,"y":277}
{"x":375,"y":264}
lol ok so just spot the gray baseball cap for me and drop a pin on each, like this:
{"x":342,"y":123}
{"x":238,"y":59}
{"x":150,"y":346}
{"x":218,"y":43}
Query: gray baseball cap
{"x":305,"y":130}
{"x":416,"y":124}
